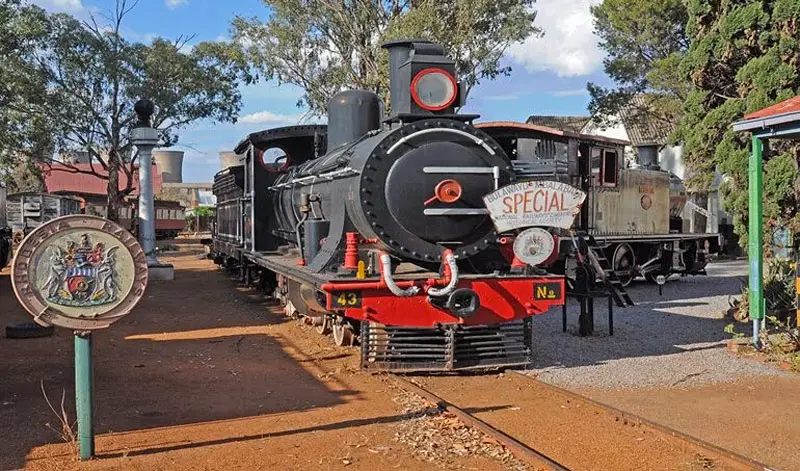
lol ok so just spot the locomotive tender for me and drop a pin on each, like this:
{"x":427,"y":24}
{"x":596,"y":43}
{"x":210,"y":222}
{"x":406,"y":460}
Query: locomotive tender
{"x":377,"y":229}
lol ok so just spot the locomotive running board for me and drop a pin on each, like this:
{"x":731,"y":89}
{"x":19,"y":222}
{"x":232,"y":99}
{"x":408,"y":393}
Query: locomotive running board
{"x":445,"y":348}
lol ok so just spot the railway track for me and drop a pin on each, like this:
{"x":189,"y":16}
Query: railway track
{"x":519,"y":449}
{"x":597,"y":437}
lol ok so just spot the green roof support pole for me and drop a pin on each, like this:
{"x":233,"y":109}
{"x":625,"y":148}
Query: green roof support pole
{"x":755,"y":240}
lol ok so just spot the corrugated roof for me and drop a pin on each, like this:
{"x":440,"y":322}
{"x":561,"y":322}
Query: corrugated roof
{"x":567,"y":123}
{"x":60,"y":178}
{"x":642,"y":127}
{"x":792,"y":105}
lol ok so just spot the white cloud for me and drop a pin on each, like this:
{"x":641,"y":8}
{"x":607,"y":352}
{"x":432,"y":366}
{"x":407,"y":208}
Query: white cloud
{"x":69,"y":6}
{"x":505,"y":97}
{"x":268,"y":117}
{"x":175,"y":3}
{"x":575,"y":92}
{"x":569,"y":46}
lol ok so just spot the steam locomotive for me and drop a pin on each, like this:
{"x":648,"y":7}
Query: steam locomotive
{"x":377,"y":230}
{"x":633,"y":214}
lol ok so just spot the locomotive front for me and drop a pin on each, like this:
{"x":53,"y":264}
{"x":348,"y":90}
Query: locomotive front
{"x":414,"y":188}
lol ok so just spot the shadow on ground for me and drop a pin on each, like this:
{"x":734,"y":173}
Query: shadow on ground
{"x":194,"y":350}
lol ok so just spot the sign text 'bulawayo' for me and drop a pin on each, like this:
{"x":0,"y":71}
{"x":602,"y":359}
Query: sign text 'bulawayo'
{"x":534,"y":203}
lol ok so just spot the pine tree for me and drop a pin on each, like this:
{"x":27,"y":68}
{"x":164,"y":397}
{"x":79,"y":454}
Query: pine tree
{"x":743,"y":56}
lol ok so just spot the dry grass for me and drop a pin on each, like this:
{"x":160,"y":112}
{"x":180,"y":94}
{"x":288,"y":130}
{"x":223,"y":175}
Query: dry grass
{"x":66,"y":431}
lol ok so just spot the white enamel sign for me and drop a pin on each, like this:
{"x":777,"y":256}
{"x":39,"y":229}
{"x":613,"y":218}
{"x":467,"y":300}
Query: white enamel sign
{"x":534,"y":203}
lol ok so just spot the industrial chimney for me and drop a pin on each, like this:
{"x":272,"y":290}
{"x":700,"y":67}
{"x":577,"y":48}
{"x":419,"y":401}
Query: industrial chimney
{"x":170,"y":164}
{"x":228,"y":159}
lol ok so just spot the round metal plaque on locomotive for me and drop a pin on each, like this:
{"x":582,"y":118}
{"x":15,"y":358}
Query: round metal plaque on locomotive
{"x":647,"y":202}
{"x":80,"y":272}
{"x":533,"y":246}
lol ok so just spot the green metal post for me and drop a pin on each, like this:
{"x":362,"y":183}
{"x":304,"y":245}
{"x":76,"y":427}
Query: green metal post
{"x":755,"y":242}
{"x":83,"y":394}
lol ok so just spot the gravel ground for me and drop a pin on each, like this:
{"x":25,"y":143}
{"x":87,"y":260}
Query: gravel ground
{"x":675,"y":340}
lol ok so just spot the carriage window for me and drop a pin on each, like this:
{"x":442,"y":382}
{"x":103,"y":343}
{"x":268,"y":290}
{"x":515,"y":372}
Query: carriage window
{"x":609,"y":168}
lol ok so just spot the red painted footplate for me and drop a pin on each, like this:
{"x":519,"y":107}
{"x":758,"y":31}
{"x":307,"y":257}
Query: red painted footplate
{"x":501,"y":300}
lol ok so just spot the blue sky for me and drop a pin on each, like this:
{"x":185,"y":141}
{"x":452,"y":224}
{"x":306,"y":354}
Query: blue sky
{"x":549,"y":74}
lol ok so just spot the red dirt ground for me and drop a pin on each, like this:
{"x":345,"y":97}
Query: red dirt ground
{"x":758,"y":418}
{"x":200,"y":376}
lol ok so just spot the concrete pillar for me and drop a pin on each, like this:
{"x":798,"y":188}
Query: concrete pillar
{"x":145,"y":138}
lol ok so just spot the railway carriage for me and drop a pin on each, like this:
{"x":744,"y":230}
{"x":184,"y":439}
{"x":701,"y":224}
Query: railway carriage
{"x":376,"y":229}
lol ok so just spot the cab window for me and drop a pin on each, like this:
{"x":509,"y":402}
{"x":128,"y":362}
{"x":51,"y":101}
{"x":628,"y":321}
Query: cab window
{"x":610,"y":168}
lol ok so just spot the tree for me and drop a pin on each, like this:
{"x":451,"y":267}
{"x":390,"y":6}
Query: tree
{"x":22,"y":140}
{"x":93,"y":75}
{"x":644,"y":41}
{"x":323,"y":46}
{"x":744,"y":56}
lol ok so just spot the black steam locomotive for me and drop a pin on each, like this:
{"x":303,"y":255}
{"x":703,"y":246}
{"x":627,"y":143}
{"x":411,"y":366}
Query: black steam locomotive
{"x":376,"y":229}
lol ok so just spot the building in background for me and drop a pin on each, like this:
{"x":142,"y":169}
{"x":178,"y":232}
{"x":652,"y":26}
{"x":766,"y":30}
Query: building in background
{"x":73,"y":178}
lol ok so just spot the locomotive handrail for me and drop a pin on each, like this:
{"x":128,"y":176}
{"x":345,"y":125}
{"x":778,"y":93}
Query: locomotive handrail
{"x":474,"y":139}
{"x":344,"y":172}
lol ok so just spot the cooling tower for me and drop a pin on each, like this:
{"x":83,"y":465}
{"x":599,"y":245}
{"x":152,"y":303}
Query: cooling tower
{"x":228,"y":159}
{"x":170,"y":164}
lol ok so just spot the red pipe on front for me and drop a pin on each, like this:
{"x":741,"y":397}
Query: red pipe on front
{"x":351,"y":251}
{"x":381,"y":285}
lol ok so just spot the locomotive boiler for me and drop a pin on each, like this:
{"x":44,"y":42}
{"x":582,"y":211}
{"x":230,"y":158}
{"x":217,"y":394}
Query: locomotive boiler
{"x":376,"y":228}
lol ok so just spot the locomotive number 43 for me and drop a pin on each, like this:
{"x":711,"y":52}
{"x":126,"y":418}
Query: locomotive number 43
{"x":345,"y":299}
{"x":542,"y":291}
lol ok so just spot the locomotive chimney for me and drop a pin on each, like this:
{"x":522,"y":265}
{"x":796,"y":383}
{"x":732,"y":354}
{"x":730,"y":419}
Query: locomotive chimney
{"x":648,"y":157}
{"x":351,"y":114}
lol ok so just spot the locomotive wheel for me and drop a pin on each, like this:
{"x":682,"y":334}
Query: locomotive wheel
{"x":624,"y":264}
{"x":322,"y":325}
{"x":342,"y":333}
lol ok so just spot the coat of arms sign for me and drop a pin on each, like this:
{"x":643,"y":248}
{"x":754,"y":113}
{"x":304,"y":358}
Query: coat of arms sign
{"x":81,"y":272}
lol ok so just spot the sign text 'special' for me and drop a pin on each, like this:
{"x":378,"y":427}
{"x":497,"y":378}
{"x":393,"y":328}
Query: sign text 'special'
{"x":534,"y":203}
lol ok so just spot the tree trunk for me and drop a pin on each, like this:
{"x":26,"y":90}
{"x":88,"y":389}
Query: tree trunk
{"x":112,"y":206}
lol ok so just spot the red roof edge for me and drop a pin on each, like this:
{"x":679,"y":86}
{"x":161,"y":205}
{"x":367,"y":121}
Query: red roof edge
{"x":792,"y":105}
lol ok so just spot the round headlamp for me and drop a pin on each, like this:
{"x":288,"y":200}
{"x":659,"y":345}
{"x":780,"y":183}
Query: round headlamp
{"x":434,"y":89}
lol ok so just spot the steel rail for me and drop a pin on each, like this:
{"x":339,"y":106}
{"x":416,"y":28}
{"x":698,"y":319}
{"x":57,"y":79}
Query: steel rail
{"x":516,"y":447}
{"x":740,"y":459}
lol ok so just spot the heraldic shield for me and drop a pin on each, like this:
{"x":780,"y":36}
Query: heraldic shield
{"x":82,"y":274}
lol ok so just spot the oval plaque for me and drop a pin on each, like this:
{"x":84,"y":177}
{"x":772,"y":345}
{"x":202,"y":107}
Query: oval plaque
{"x":533,"y":246}
{"x":80,"y":272}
